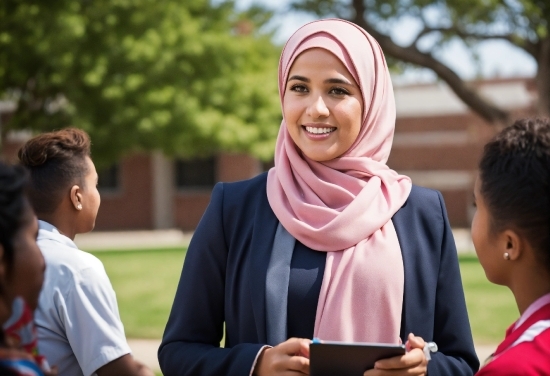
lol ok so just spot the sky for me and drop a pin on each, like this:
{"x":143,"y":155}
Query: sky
{"x":496,"y":58}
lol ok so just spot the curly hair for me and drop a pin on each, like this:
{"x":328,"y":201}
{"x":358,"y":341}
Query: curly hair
{"x":13,"y":184}
{"x":515,"y":182}
{"x":56,"y":161}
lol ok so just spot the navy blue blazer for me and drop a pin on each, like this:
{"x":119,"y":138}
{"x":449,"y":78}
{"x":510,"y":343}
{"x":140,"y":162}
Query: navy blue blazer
{"x":224,"y":276}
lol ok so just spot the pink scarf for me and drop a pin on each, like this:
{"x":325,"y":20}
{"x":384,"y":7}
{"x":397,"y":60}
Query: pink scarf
{"x":344,"y":206}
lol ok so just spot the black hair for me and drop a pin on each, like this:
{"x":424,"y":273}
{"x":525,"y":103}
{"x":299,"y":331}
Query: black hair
{"x":515,"y":182}
{"x":13,"y":202}
{"x":56,"y":161}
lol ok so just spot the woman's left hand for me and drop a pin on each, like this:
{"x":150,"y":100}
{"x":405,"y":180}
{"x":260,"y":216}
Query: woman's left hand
{"x":414,"y":362}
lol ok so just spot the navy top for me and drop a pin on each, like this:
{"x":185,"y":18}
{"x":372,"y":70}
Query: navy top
{"x":223,"y":286}
{"x":304,"y":286}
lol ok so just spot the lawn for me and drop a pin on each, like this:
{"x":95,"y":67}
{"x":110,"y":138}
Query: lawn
{"x":145,"y":282}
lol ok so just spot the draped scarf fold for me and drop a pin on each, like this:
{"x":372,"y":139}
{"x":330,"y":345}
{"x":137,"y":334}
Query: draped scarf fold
{"x":344,"y":206}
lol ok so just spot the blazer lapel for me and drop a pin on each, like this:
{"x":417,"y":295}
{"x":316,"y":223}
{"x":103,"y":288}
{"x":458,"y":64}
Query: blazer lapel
{"x":261,"y":245}
{"x":399,"y":220}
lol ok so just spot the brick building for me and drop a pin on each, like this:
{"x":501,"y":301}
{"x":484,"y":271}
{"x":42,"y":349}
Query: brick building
{"x":438,"y":142}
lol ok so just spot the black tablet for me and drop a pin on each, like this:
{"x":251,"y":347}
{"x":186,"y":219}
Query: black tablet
{"x":348,"y":359}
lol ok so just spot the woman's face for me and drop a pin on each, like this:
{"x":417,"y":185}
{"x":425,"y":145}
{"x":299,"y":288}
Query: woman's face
{"x":27,"y":272}
{"x":486,"y":243}
{"x":90,"y":200}
{"x":322,"y":105}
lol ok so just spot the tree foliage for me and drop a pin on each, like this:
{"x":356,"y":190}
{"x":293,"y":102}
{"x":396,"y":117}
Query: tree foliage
{"x":187,"y":77}
{"x":523,"y":23}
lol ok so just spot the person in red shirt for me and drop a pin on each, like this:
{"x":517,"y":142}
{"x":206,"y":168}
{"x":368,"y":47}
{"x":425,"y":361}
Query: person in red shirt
{"x":511,"y":235}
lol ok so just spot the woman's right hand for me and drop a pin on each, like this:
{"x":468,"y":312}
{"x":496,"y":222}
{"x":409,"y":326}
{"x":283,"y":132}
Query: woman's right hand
{"x":288,"y":358}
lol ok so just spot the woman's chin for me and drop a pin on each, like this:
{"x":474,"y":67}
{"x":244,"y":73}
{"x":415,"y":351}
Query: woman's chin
{"x":320,"y":155}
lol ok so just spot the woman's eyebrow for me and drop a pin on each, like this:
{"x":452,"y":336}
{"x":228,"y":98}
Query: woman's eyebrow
{"x":338,"y":81}
{"x":327,"y":81}
{"x":299,"y":78}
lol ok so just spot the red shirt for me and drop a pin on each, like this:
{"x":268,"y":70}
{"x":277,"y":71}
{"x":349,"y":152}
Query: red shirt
{"x":526,"y":349}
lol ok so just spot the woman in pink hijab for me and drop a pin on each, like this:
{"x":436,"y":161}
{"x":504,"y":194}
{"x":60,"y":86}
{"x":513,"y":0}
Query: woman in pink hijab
{"x":330,"y":243}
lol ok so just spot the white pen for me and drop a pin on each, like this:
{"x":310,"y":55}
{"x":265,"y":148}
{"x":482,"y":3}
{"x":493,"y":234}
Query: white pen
{"x":429,"y":347}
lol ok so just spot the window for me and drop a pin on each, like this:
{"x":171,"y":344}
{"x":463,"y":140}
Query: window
{"x":109,"y":179}
{"x":197,"y":173}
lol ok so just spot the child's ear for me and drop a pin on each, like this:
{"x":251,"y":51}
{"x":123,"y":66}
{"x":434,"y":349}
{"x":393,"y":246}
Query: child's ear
{"x":76,"y":197}
{"x":514,"y":245}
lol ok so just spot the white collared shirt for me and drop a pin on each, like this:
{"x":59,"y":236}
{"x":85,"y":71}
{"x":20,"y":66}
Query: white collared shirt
{"x":78,"y":323}
{"x":534,"y":307}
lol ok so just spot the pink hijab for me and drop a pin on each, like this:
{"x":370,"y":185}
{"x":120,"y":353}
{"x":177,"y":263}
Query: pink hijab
{"x":344,"y":206}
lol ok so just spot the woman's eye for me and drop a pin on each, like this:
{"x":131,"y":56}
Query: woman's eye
{"x":298,"y":88}
{"x":339,"y":91}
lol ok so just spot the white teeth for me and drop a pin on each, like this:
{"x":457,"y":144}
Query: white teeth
{"x":316,"y":130}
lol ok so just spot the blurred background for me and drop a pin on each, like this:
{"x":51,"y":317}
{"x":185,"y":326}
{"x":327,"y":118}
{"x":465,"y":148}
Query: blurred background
{"x":179,"y":95}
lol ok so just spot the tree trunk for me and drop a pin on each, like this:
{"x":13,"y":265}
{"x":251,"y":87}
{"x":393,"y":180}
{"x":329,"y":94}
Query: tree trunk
{"x":411,"y":54}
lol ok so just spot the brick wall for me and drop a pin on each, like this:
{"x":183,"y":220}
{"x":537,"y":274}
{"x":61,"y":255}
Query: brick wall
{"x":189,"y":208}
{"x":190,"y":204}
{"x":130,"y":206}
{"x":442,"y":152}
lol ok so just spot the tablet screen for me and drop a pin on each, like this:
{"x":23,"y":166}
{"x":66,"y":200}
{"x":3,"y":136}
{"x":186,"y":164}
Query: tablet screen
{"x":348,"y":359}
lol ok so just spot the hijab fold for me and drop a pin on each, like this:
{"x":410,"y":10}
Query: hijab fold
{"x":344,"y":206}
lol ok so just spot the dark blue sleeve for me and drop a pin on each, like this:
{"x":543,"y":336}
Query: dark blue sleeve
{"x":452,"y":331}
{"x":191,"y":341}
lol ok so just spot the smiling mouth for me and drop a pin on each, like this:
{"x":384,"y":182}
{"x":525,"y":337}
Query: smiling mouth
{"x":319,"y":130}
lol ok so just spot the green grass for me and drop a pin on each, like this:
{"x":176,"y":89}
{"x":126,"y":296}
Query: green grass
{"x":145,"y":282}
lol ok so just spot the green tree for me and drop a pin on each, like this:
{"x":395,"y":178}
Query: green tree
{"x":522,"y":23}
{"x":188,"y":77}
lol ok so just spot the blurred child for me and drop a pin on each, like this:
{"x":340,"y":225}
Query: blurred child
{"x":511,"y":234}
{"x":21,"y":276}
{"x":79,"y":327}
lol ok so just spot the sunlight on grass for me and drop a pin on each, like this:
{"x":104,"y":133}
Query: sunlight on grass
{"x":145,"y":283}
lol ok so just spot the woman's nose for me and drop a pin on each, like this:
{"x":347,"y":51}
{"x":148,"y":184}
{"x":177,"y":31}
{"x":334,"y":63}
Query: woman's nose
{"x":318,"y":108}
